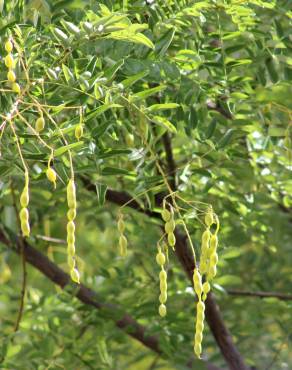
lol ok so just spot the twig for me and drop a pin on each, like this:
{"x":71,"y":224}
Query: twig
{"x":23,"y":262}
{"x":260,"y":294}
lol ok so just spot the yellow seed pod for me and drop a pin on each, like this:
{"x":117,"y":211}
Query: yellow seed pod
{"x":8,"y":46}
{"x":206,"y":237}
{"x":198,"y":337}
{"x":51,"y":175}
{"x":71,"y":250}
{"x":212,"y":272}
{"x":213,"y":259}
{"x":71,"y":214}
{"x":200,"y":306}
{"x":71,"y":194}
{"x":199,"y":326}
{"x":71,"y":262}
{"x":40,"y":124}
{"x":9,"y":61}
{"x":130,"y":140}
{"x":197,"y":280}
{"x":160,"y":258}
{"x":16,"y":88}
{"x":163,"y":297}
{"x":121,"y":225}
{"x":163,"y":275}
{"x":123,"y":245}
{"x":25,"y":228}
{"x":24,"y":198}
{"x":23,"y":215}
{"x":171,"y":239}
{"x":209,"y":218}
{"x":79,"y":131}
{"x":165,"y":214}
{"x":206,"y":287}
{"x":162,"y":310}
{"x":70,"y":228}
{"x":74,"y":273}
{"x":71,"y":239}
{"x":198,"y":350}
{"x":11,"y":76}
{"x":170,"y":226}
{"x":213,"y":243}
{"x":163,"y":285}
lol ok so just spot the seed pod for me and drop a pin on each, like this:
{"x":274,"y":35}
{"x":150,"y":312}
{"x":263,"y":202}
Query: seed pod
{"x":206,"y":287}
{"x":160,"y":258}
{"x":163,"y":275}
{"x":209,"y":219}
{"x":198,"y":337}
{"x":70,"y":227}
{"x":171,"y":239}
{"x":213,"y":243}
{"x":75,"y":275}
{"x":201,"y":306}
{"x":198,"y":350}
{"x":71,"y":194}
{"x":163,"y":297}
{"x":197,"y":280}
{"x":23,"y":215}
{"x":121,"y":226}
{"x":212,"y":272}
{"x":213,"y":259}
{"x":8,"y":46}
{"x":71,"y":214}
{"x":199,"y":326}
{"x":11,"y":76}
{"x":130,"y":140}
{"x":162,"y":310}
{"x":165,"y":214}
{"x":163,"y":285}
{"x":9,"y":61}
{"x":71,"y":250}
{"x":16,"y":88}
{"x":51,"y":175}
{"x":79,"y":131}
{"x":170,"y":226}
{"x":71,"y":262}
{"x":25,"y":228}
{"x":206,"y":236}
{"x":71,"y":239}
{"x":24,"y":198}
{"x":123,"y":245}
{"x":40,"y":124}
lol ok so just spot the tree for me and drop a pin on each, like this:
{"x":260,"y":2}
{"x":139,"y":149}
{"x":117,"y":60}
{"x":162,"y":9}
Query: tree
{"x":168,"y":123}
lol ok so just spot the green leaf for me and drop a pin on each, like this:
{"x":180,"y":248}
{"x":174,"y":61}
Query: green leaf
{"x":225,"y":139}
{"x":163,"y":122}
{"x":157,"y":107}
{"x":65,"y":148}
{"x":98,"y":111}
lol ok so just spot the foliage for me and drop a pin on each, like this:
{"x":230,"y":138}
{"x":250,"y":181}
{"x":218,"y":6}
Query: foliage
{"x":211,"y":75}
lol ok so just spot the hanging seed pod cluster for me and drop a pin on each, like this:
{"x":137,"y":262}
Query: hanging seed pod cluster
{"x":123,"y":242}
{"x":160,"y":259}
{"x":71,"y":214}
{"x":24,"y":201}
{"x":10,"y":64}
{"x":206,"y":271}
{"x":169,"y":227}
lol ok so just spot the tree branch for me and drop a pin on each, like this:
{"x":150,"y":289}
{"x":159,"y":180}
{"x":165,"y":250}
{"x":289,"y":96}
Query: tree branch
{"x":260,"y":294}
{"x":125,"y":322}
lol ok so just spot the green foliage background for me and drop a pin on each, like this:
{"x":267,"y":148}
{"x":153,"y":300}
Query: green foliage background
{"x":215,"y":76}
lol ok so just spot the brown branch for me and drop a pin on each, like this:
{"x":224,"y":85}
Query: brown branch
{"x":260,"y":294}
{"x":125,"y":322}
{"x":170,"y":160}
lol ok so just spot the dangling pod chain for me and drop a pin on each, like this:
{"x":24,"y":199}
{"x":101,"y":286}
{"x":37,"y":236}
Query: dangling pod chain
{"x":160,"y":259}
{"x":10,"y":64}
{"x":71,"y":214}
{"x":24,"y":201}
{"x":207,"y":271}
